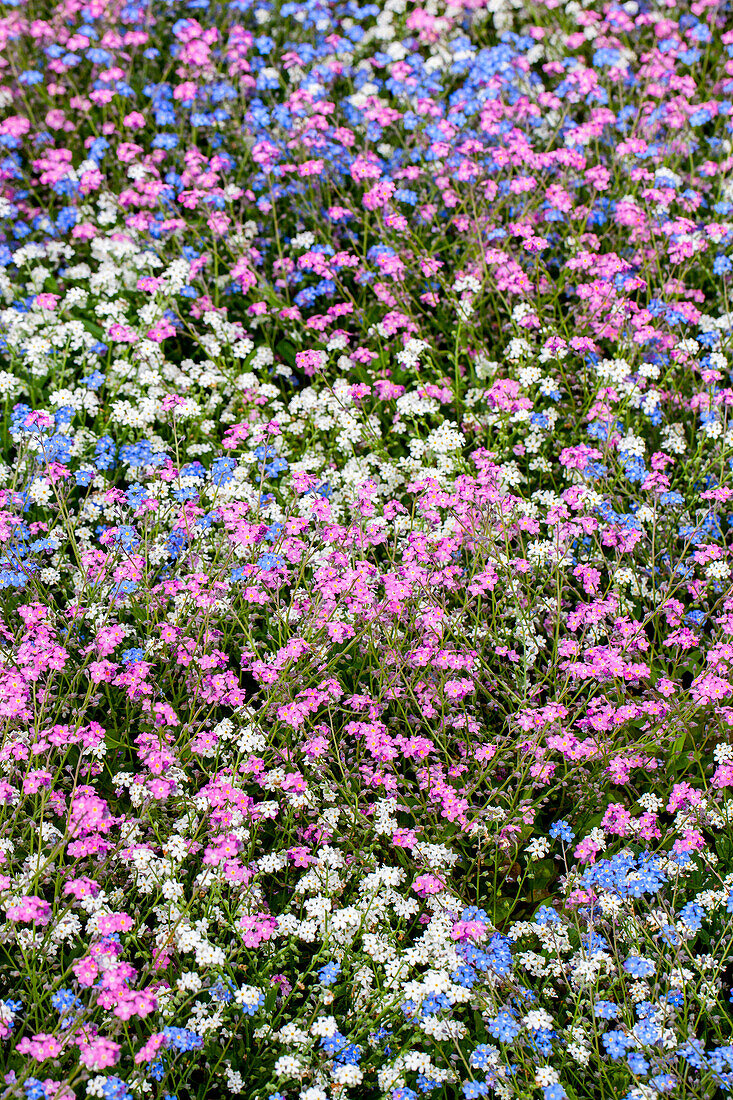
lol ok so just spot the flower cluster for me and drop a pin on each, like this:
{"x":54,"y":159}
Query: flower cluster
{"x":366,"y":640}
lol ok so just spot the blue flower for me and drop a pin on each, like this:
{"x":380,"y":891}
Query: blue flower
{"x":607,"y":1010}
{"x":328,"y":974}
{"x":693,"y":1052}
{"x":222,"y":471}
{"x":562,"y":830}
{"x":616,"y":1043}
{"x":638,"y":967}
{"x":136,"y":494}
{"x":350,"y":1055}
{"x":94,"y":380}
{"x":220,"y":992}
{"x":193,"y":469}
{"x":635,"y":470}
{"x":126,"y":537}
{"x":272,"y":469}
{"x":182,"y":495}
{"x":593,"y":943}
{"x":165,"y":141}
{"x":67,"y":219}
{"x":554,"y":1092}
{"x":433,"y":1003}
{"x":692,"y":915}
{"x":465,"y":976}
{"x":647,"y":1032}
{"x":182,"y":1039}
{"x":332,"y":1044}
{"x":64,"y":1000}
{"x":266,"y":562}
{"x":132,"y":656}
{"x":104,"y":452}
{"x":473,"y":1089}
{"x":546,"y":915}
{"x":427,"y":1084}
{"x":504,"y":1027}
{"x":481,"y":1057}
{"x":637,"y":1063}
{"x":97,"y":149}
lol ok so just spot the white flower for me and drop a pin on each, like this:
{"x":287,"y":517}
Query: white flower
{"x":347,"y":1075}
{"x":417,"y":1061}
{"x":579,"y":1053}
{"x":324,"y":1026}
{"x":545,"y":1076}
{"x":536,"y":1019}
{"x":235,"y":1081}
{"x":288,"y":1066}
{"x":303,"y":240}
{"x":40,"y":490}
{"x":538,"y":847}
{"x":97,"y":1086}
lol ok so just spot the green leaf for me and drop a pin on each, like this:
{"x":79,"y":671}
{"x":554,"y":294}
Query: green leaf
{"x":287,"y":350}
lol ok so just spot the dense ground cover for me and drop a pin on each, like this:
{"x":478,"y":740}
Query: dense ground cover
{"x":366,"y":651}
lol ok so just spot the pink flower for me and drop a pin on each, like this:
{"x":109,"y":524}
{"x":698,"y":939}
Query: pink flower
{"x":690,"y":841}
{"x":86,"y":971}
{"x":257,"y":929}
{"x":617,"y":820}
{"x":47,"y":301}
{"x":153,"y":1045}
{"x":40,"y":1047}
{"x":101,"y":671}
{"x":85,"y":231}
{"x":469,"y":930}
{"x":160,"y":788}
{"x":683,"y":795}
{"x":134,"y":121}
{"x":16,"y":126}
{"x":301,"y":857}
{"x":587,"y":850}
{"x":114,"y":922}
{"x":310,"y":168}
{"x":186,"y":90}
{"x":161,"y":331}
{"x":81,"y":888}
{"x":122,"y":334}
{"x":379,"y":195}
{"x":723,"y":776}
{"x":99,"y":1053}
{"x":365,"y":167}
{"x":310,"y":361}
{"x":425,"y":885}
{"x":127,"y":151}
{"x":90,"y":181}
{"x":30,"y":909}
{"x":458,"y":689}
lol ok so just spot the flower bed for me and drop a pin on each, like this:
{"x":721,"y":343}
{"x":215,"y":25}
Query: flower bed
{"x":366,"y":648}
